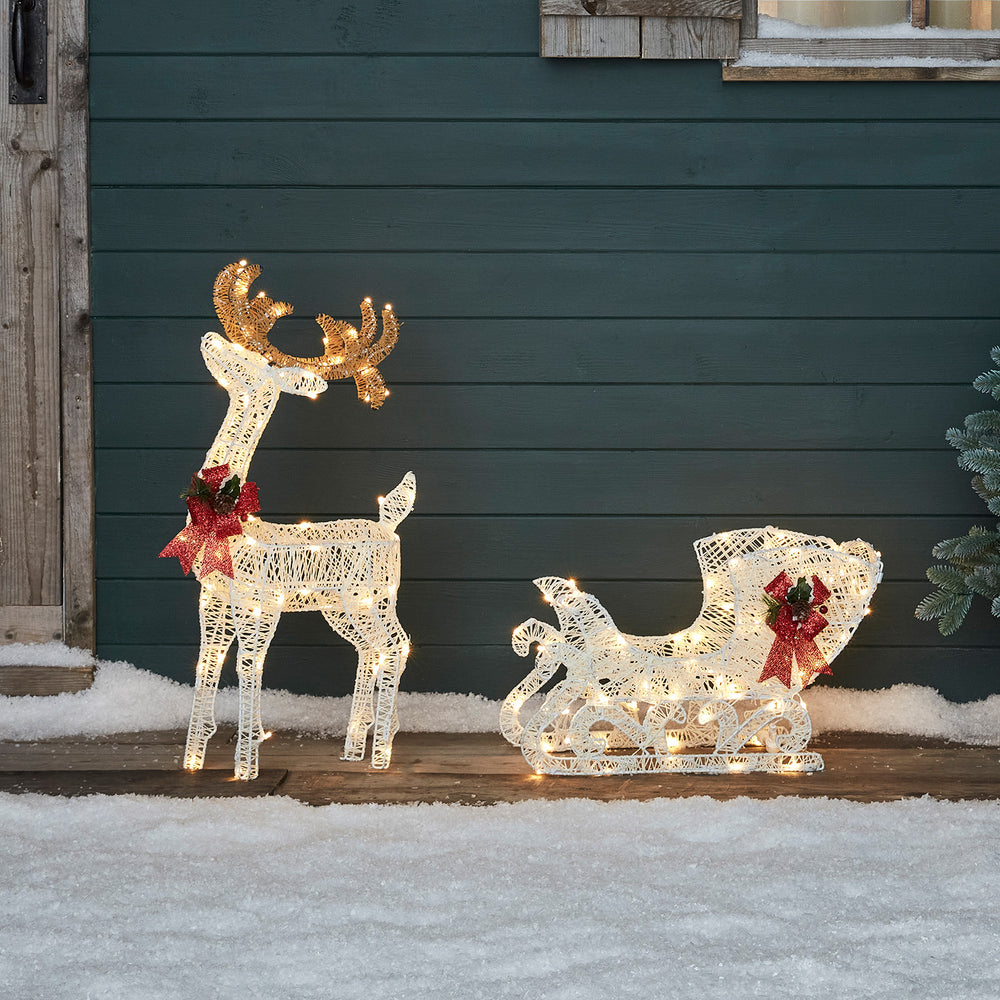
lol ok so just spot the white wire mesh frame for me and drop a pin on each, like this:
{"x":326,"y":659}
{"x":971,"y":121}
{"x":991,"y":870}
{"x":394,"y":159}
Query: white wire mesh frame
{"x":692,"y":701}
{"x":348,"y":570}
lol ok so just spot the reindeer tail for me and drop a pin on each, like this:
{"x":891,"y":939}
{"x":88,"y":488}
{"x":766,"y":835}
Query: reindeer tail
{"x":398,"y":504}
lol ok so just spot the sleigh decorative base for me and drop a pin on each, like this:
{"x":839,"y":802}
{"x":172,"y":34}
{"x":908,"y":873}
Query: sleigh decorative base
{"x":711,"y":699}
{"x":708,"y":763}
{"x":629,"y":738}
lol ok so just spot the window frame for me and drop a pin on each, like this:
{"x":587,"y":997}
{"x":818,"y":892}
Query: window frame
{"x":959,"y":48}
{"x":725,"y":29}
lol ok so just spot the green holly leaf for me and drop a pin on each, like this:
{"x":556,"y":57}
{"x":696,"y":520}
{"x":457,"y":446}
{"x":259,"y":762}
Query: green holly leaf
{"x":231,"y":487}
{"x":198,"y":489}
{"x":802,"y":591}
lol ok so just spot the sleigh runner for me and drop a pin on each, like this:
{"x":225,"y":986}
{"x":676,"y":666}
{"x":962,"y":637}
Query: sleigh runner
{"x":722,"y":695}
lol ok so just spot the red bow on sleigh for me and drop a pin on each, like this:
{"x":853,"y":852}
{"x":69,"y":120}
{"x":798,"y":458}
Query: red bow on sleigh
{"x":795,"y":625}
{"x":218,"y":506}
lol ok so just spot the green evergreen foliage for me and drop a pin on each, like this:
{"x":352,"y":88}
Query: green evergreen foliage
{"x":974,"y":559}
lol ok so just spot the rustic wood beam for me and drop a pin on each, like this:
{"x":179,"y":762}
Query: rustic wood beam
{"x":644,"y":8}
{"x":690,"y":38}
{"x":858,"y":74}
{"x":873,"y":48}
{"x":79,"y":590}
{"x":590,"y":37}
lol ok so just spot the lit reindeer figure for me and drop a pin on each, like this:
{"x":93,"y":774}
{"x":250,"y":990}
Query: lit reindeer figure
{"x":347,"y":570}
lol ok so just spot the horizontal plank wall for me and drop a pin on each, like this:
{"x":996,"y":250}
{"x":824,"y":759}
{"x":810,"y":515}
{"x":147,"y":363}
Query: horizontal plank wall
{"x":640,"y":306}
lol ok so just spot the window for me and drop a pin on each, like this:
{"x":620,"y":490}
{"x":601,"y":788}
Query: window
{"x":869,"y":39}
{"x":787,"y":39}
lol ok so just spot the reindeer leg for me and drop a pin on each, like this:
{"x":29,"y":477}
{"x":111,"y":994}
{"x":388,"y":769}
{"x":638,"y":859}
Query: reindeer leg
{"x":362,"y":713}
{"x":216,"y":638}
{"x":386,"y":717}
{"x":362,"y":708}
{"x":254,"y":632}
{"x":392,"y":664}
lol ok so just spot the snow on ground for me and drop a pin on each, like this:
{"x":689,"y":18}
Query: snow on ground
{"x":126,"y":699}
{"x":133,"y":898}
{"x":155,"y":899}
{"x":43,"y":654}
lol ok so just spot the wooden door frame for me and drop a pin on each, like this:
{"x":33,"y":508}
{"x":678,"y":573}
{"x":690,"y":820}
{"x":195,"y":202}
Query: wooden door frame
{"x":56,"y":220}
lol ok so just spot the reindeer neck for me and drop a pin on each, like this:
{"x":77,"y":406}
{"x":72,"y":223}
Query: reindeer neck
{"x":248,"y":414}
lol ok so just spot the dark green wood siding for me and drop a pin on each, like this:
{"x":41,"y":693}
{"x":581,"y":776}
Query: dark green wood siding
{"x":640,"y":306}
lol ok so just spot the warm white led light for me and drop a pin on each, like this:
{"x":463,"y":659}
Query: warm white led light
{"x":710,"y":698}
{"x":333,"y":567}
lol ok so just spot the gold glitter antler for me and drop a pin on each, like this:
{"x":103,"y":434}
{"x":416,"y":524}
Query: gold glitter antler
{"x":347,"y":353}
{"x":361,"y":351}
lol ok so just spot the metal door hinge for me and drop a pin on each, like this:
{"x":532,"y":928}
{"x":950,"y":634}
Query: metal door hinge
{"x":26,"y":60}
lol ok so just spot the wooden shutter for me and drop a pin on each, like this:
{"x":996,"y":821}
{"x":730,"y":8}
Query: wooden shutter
{"x":647,"y":29}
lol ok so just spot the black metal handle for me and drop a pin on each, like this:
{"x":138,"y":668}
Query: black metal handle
{"x":19,"y":42}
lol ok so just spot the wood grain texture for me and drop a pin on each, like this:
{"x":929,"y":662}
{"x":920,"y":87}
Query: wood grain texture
{"x":946,"y":151}
{"x":590,"y":285}
{"x":748,"y":484}
{"x":31,"y":622}
{"x":30,"y":548}
{"x":644,"y":8}
{"x":690,"y":38}
{"x":701,"y":351}
{"x":436,"y":219}
{"x":333,"y":26}
{"x":526,"y":546}
{"x":553,"y":417}
{"x":606,"y":267}
{"x":860,"y":74}
{"x":178,"y":784}
{"x":483,"y":612}
{"x":876,"y":48}
{"x":481,"y":769}
{"x":46,"y":544}
{"x":981,"y":15}
{"x":497,"y":88}
{"x":77,"y":452}
{"x":589,"y":37}
{"x":44,"y":681}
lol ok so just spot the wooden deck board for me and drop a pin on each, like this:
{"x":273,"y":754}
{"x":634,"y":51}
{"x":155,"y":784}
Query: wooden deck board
{"x":177,"y":784}
{"x":477,"y":769}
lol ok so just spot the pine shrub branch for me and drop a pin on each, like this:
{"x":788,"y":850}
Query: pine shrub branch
{"x":972,"y":561}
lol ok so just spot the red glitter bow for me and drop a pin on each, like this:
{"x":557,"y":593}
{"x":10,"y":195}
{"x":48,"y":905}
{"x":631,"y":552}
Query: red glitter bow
{"x":794,"y":633}
{"x":209,"y":528}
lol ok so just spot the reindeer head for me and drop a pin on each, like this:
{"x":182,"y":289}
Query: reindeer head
{"x":348,"y":353}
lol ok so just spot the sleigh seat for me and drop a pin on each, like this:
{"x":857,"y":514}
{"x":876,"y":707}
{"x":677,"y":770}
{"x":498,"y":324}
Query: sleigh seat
{"x":722,"y":695}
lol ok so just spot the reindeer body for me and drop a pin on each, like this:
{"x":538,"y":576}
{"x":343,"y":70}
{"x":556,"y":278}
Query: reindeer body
{"x":348,"y":570}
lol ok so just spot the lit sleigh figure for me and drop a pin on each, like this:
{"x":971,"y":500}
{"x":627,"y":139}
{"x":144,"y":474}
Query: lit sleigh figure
{"x":252,"y":571}
{"x":722,"y":695}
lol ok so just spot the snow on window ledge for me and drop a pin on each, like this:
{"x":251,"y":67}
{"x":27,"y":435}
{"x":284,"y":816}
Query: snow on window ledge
{"x":783,"y":50}
{"x":779,"y":59}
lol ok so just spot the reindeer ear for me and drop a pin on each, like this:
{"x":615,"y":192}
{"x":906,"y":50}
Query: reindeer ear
{"x":298,"y":381}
